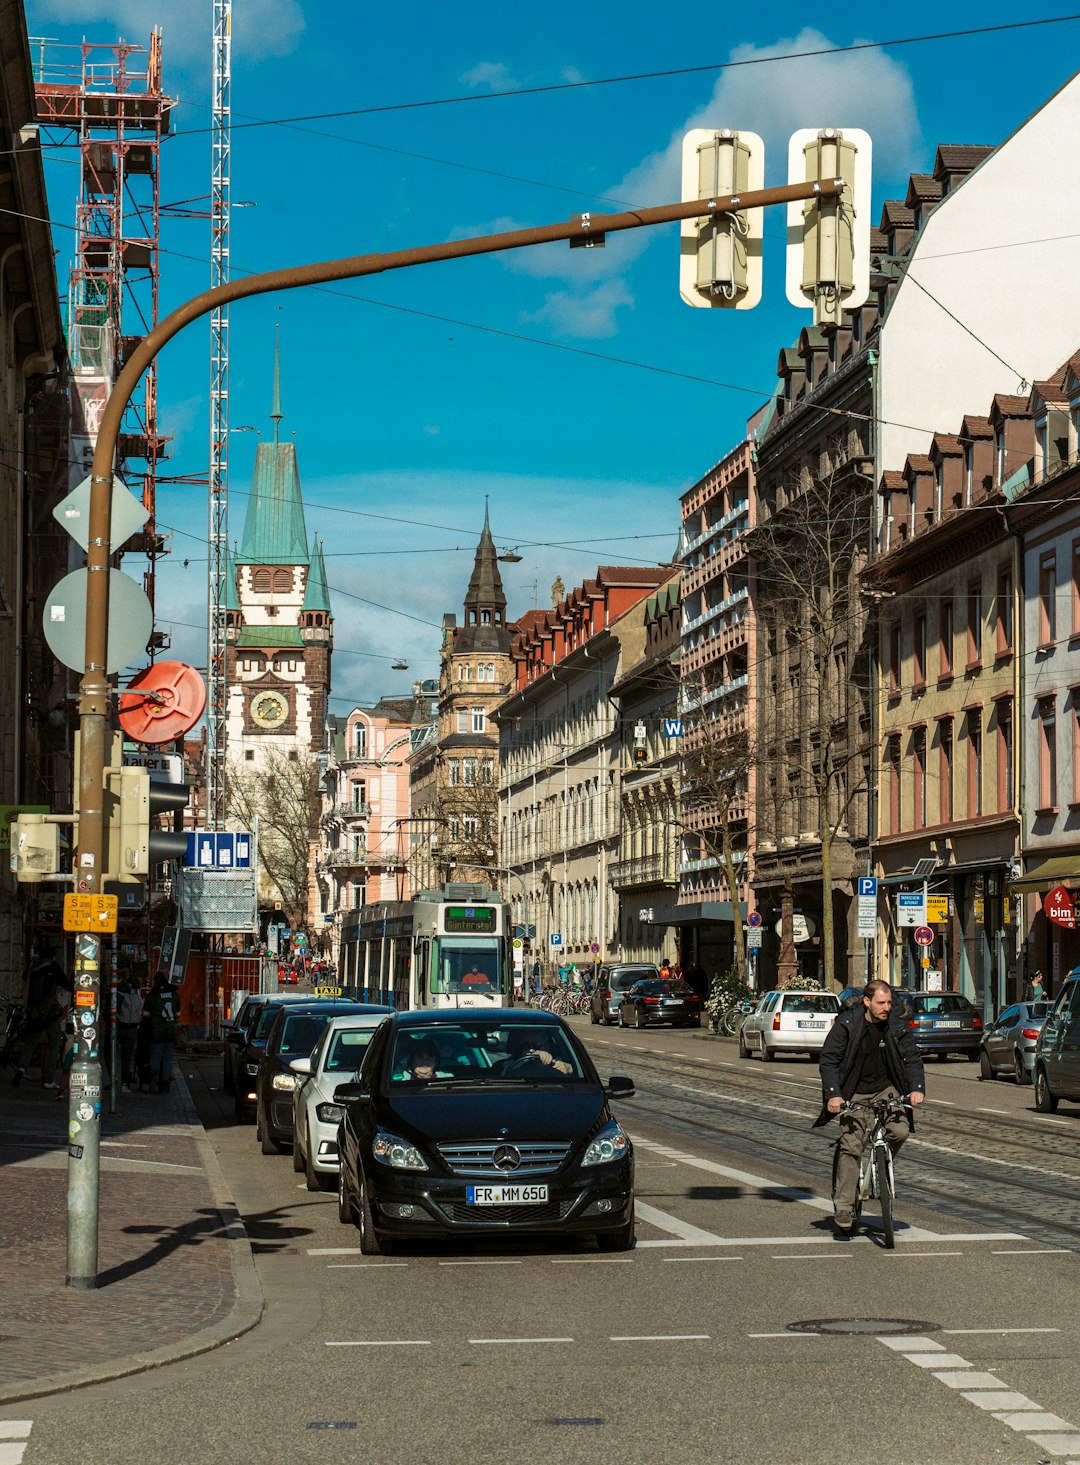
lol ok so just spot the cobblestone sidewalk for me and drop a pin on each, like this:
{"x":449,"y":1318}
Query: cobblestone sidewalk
{"x":174,"y":1265}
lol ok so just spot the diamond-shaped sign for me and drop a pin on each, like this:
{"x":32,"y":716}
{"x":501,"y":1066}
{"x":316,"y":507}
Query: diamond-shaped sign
{"x":129,"y":514}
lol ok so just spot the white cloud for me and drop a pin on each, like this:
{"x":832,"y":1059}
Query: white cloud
{"x":261,"y":28}
{"x":588,"y":314}
{"x":866,"y":89}
{"x":493,"y":75}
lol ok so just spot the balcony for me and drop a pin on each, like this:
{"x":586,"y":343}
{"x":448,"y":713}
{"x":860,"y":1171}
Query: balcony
{"x":640,"y":870}
{"x":342,"y":859}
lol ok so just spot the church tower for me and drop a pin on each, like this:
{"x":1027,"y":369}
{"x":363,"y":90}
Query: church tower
{"x":280,"y":627}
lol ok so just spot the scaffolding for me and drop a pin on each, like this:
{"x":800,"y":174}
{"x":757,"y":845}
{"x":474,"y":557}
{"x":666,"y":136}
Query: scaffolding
{"x":110,"y":96}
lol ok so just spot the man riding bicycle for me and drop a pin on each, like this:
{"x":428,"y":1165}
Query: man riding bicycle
{"x":869,"y":1054}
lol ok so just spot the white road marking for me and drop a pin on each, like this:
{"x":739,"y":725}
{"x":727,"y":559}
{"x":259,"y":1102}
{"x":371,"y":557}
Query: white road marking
{"x":924,"y":1253}
{"x":11,"y":1454}
{"x":783,"y":1335}
{"x":1045,"y":1119}
{"x":993,"y":1160}
{"x":333,"y":1251}
{"x":810,"y":1258}
{"x":989,"y":1399}
{"x":493,"y":1262}
{"x":701,"y":1258}
{"x":520,"y":1340}
{"x":382,"y":1343}
{"x":956,"y":1332}
{"x":913,"y":1343}
{"x":15,"y":1434}
{"x":963,"y":1379}
{"x":937,"y":1360}
{"x":1057,"y":1444}
{"x":1034,"y":1251}
{"x":1023,"y":1421}
{"x":661,"y":1338}
{"x":991,"y":1111}
{"x":356,"y":1266}
{"x":592,"y":1261}
{"x":693,"y":1235}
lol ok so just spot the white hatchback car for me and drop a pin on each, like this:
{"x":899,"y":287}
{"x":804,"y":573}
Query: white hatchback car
{"x":335,"y":1059}
{"x":788,"y":1022}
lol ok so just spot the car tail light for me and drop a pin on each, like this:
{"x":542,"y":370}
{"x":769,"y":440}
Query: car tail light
{"x":776,"y":1022}
{"x":1031,"y":1033}
{"x":978,"y":1024}
{"x":652,"y":1001}
{"x":913,"y":1022}
{"x":605,"y":995}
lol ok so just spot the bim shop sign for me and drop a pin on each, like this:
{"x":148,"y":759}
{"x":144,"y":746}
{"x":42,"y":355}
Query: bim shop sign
{"x":1058,"y":906}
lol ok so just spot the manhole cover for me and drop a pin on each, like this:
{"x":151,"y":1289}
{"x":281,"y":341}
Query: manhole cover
{"x":877,"y":1327}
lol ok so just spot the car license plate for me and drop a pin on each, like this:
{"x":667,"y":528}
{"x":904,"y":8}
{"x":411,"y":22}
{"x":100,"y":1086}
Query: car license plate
{"x":673,"y":1002}
{"x":947,"y":1022}
{"x":811,"y":1024}
{"x":506,"y":1195}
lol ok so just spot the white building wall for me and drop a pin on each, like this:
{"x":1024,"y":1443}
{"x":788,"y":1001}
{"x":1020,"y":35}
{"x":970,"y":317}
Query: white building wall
{"x":1051,"y":672}
{"x":999,"y":253}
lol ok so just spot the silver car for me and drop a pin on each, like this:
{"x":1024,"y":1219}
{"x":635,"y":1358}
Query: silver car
{"x":335,"y":1059}
{"x":788,"y":1022}
{"x":1008,"y":1045}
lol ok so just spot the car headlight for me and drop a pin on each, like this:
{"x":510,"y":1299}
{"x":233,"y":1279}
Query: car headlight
{"x":612,"y":1143}
{"x":399,"y":1154}
{"x":283,"y":1081}
{"x":330,"y":1113}
{"x":251,"y":1068}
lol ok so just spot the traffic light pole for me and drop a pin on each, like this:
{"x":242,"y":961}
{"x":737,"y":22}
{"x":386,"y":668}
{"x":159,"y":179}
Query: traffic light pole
{"x":84,"y":1114}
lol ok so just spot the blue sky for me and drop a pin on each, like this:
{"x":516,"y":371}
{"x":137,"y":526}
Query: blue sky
{"x":592,"y":397}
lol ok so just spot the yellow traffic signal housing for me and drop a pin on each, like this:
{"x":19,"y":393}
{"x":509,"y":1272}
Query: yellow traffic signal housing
{"x":35,"y":846}
{"x":828,"y":262}
{"x":720,"y":256}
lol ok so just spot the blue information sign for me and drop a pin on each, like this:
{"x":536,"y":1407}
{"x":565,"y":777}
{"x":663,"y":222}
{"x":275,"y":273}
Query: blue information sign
{"x":208,"y":850}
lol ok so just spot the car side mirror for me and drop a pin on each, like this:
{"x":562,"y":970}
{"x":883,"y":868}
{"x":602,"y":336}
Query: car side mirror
{"x":301,"y":1065}
{"x":350,"y":1093}
{"x":619,"y":1088}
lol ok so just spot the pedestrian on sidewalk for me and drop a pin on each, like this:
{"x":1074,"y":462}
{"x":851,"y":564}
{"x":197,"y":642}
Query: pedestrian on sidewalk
{"x":48,"y":998}
{"x":129,"y":1006}
{"x":163,"y":1005}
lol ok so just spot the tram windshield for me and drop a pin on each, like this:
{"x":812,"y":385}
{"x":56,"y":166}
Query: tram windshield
{"x":468,"y":963}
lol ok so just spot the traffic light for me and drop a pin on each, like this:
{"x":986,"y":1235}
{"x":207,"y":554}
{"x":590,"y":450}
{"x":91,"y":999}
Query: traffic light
{"x":720,"y":256}
{"x":35,"y":846}
{"x":133,"y":800}
{"x":828,"y":256}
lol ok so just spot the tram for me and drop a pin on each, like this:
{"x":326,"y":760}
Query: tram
{"x":444,"y":948}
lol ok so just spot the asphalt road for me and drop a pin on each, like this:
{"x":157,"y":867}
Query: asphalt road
{"x":681,"y":1350}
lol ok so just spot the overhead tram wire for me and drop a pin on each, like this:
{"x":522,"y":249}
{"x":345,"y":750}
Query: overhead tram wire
{"x":641,"y":76}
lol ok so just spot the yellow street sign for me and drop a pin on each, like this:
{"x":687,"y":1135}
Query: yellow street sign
{"x":926,"y":961}
{"x":937,"y":909}
{"x":91,"y":913}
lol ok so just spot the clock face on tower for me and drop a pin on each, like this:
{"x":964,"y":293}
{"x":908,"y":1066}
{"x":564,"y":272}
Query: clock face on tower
{"x":269,"y":709}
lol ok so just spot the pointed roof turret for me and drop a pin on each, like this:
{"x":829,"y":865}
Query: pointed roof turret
{"x":316,"y":594}
{"x":485,"y":600}
{"x":274,"y":529}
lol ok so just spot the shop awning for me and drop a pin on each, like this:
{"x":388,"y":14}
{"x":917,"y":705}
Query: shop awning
{"x":705,"y":912}
{"x":1058,"y":870}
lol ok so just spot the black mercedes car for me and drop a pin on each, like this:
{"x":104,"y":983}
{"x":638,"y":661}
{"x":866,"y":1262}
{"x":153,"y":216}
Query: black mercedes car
{"x":650,"y":1002}
{"x":295,"y":1029}
{"x":474,"y":1123}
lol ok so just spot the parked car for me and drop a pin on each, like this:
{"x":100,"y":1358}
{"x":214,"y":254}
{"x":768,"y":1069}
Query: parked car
{"x":335,"y":1059}
{"x":655,"y":1001}
{"x":1008,"y":1045}
{"x":499,"y":1141}
{"x":294,"y":1032}
{"x":1057,"y":1053}
{"x":788,"y":1022}
{"x":944,"y":1023}
{"x":850,"y":996}
{"x":610,"y":985}
{"x":238,"y":1030}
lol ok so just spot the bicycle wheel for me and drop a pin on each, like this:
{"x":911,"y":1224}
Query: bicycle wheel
{"x":729,"y":1022}
{"x":885,"y":1194}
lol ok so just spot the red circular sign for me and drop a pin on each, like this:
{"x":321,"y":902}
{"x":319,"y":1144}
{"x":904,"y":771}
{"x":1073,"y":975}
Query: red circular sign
{"x":924,"y":936}
{"x":162,"y":703}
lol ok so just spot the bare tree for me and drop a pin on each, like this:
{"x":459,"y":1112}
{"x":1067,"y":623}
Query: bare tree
{"x":715,"y":772}
{"x":806,"y":556}
{"x":469,"y":813}
{"x":282,"y":792}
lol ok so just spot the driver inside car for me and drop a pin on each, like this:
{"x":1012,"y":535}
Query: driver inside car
{"x":526,"y":1052}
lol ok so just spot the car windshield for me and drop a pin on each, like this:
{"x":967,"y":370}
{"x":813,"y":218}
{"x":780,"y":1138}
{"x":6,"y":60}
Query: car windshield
{"x":301,"y":1031}
{"x":346,"y":1051}
{"x":479,"y":1053}
{"x":940,"y":1002}
{"x":810,"y":1002}
{"x":265,"y":1022}
{"x":620,"y":980}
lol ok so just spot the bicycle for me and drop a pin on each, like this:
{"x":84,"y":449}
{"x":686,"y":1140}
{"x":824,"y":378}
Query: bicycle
{"x":876,"y":1168}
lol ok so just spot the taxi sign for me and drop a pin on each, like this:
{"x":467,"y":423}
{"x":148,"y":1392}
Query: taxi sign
{"x":328,"y":991}
{"x":90,"y":913}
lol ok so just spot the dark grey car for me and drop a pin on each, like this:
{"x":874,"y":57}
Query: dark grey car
{"x":1008,"y":1045}
{"x":612,"y":983}
{"x":1057,"y":1053}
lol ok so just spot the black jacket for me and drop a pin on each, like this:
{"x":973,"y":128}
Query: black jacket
{"x":840,"y":1055}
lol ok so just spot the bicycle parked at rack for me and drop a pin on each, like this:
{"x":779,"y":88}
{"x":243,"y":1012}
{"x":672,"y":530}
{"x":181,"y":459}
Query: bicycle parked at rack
{"x":876,"y":1171}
